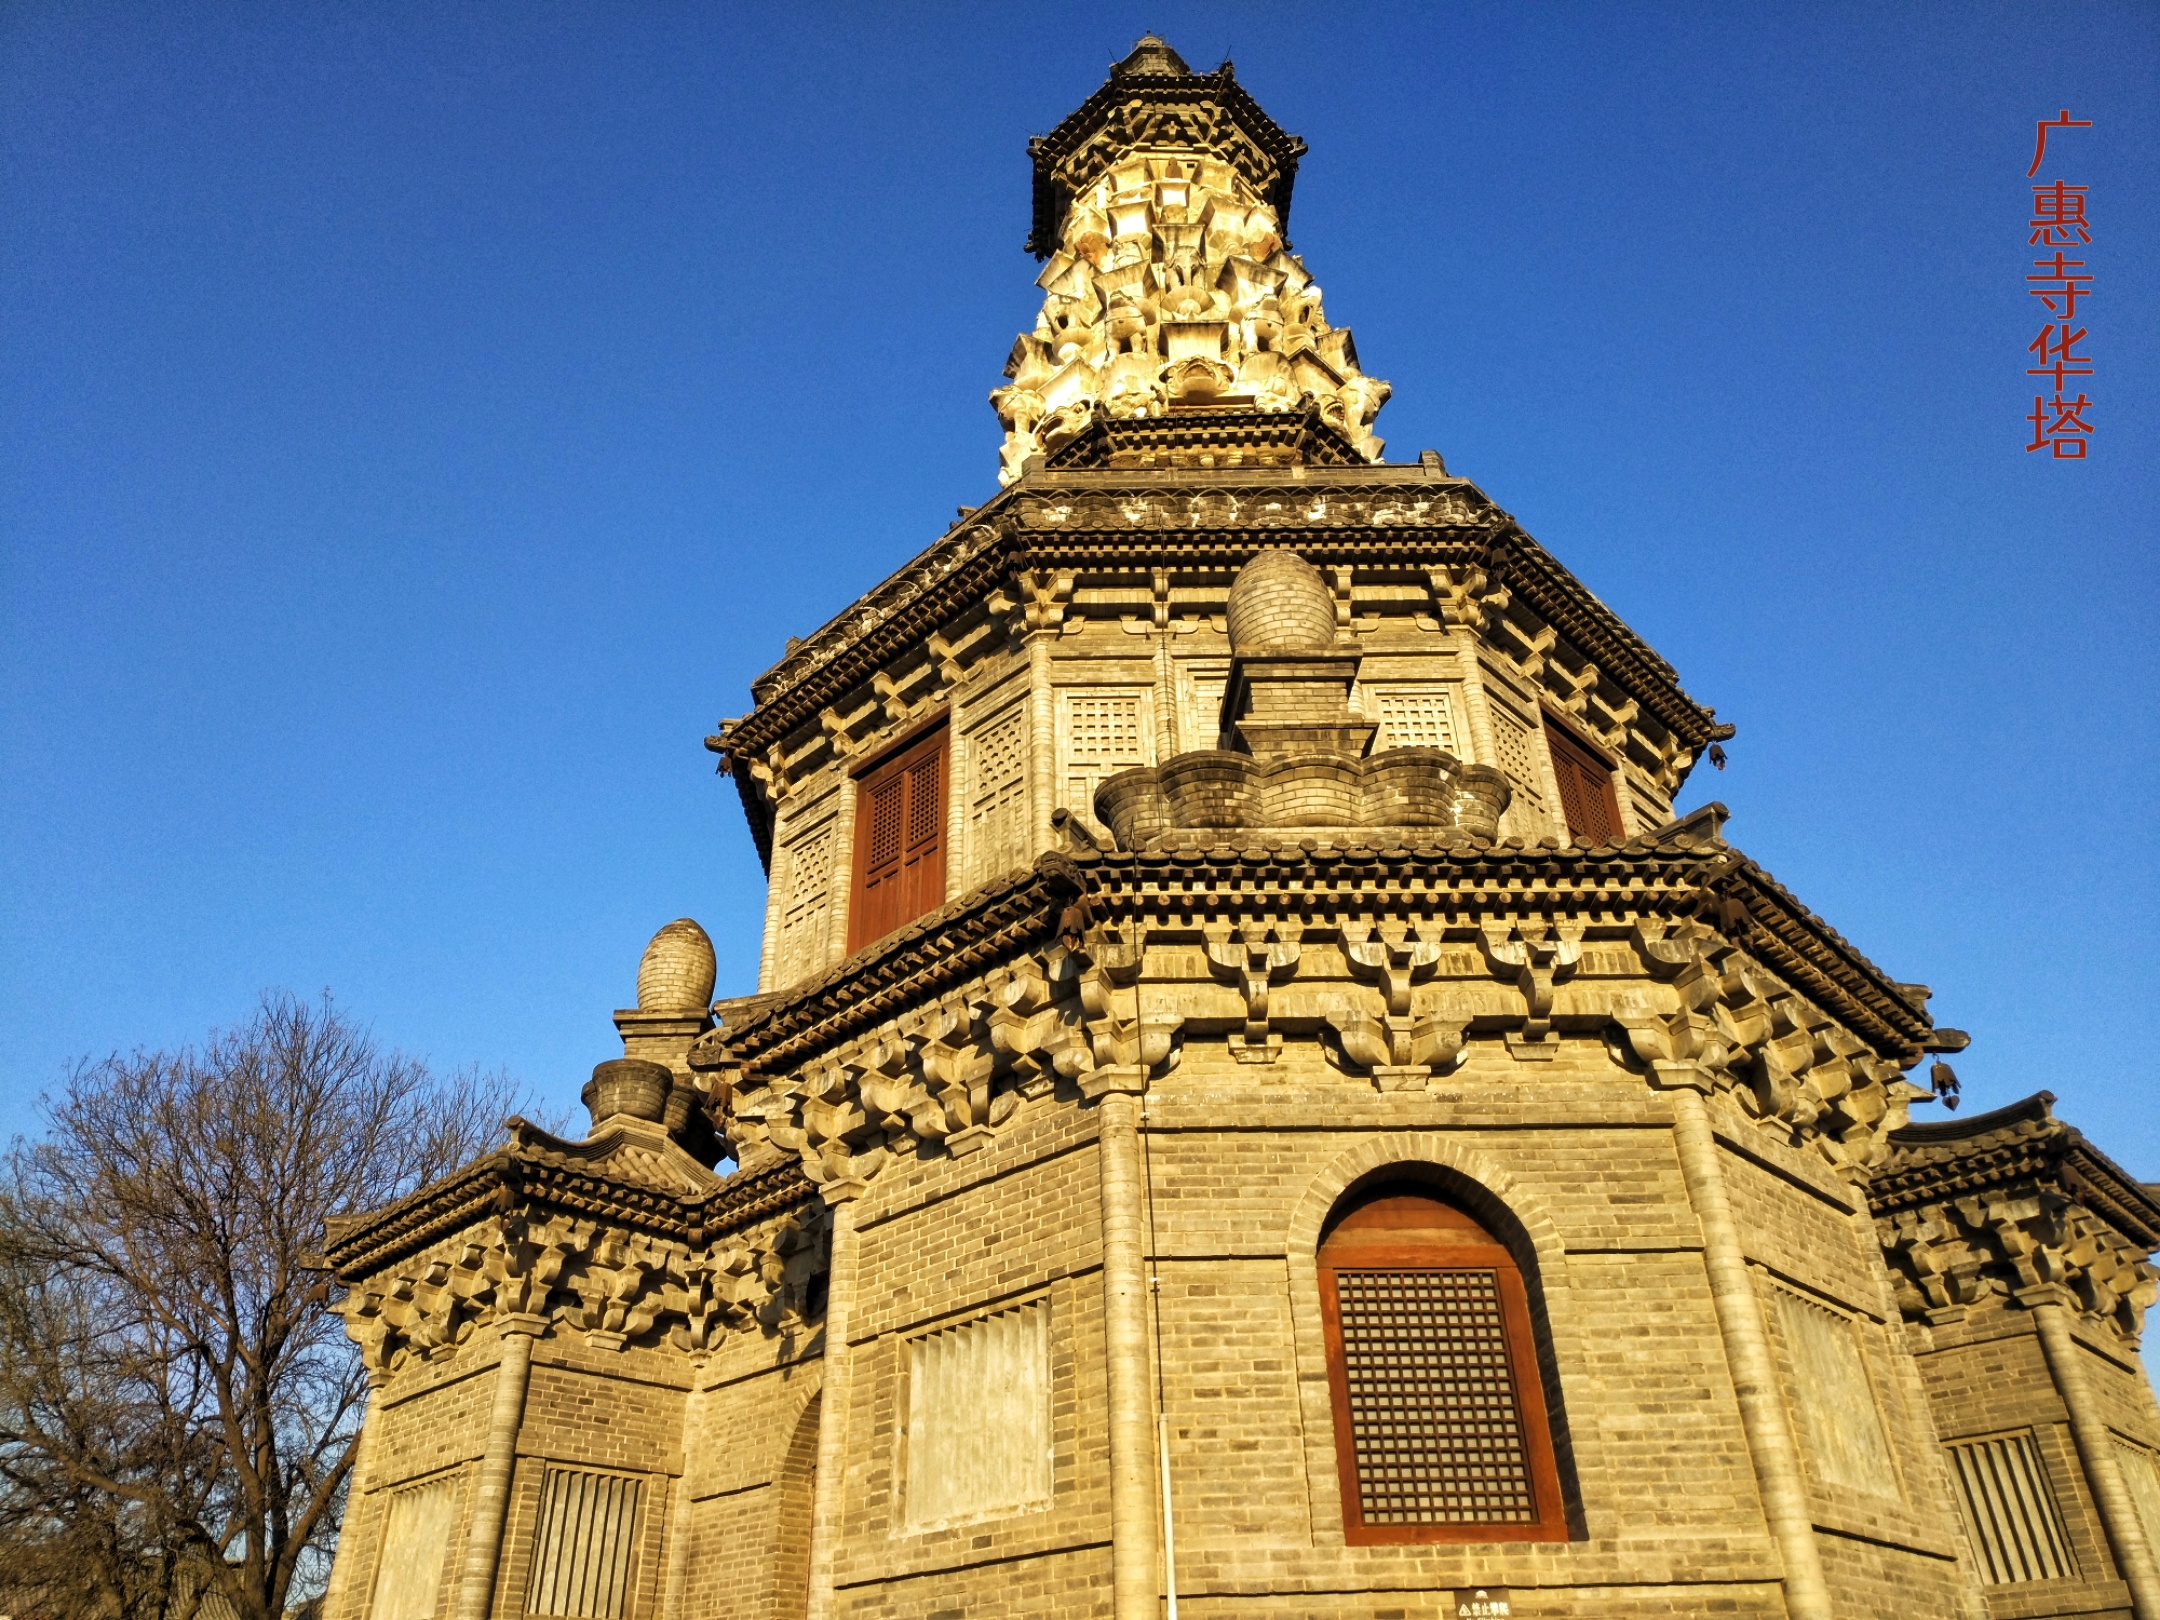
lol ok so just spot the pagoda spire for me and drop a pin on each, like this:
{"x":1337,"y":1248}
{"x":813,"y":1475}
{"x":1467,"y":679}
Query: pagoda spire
{"x":1170,"y":290}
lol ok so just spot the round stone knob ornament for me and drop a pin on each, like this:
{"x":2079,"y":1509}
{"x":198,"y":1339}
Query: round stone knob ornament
{"x":676,"y":973}
{"x":1280,"y":604}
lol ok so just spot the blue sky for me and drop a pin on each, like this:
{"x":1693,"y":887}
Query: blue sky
{"x":418,"y":424}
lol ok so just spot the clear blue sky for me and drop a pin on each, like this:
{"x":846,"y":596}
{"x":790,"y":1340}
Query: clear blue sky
{"x":419,"y":423}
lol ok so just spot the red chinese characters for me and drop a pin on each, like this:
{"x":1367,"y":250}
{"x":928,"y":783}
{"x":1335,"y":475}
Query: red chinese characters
{"x":2058,"y":221}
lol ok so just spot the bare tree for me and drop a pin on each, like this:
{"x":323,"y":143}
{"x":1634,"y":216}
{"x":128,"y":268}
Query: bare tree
{"x":178,"y":1414}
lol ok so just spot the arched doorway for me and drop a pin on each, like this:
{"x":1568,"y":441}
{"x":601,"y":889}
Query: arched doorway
{"x":1441,"y":1431}
{"x":791,"y":1523}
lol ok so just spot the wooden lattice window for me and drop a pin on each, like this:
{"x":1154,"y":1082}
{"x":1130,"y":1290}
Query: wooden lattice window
{"x":1440,"y":1427}
{"x":1586,"y":789}
{"x":899,"y":840}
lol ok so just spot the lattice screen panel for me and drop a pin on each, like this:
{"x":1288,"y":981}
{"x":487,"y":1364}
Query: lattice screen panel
{"x":997,"y":838}
{"x":802,"y":945}
{"x":1434,"y":1422}
{"x":1511,"y":741}
{"x":1105,"y":732}
{"x":1413,"y":717}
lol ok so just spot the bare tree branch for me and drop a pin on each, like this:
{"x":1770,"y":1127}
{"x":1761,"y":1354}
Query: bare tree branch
{"x":177,"y":1412}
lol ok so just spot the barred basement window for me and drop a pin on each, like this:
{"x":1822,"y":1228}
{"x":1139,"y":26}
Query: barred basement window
{"x":1440,"y":1427}
{"x":583,"y":1546}
{"x":899,"y":841}
{"x":2009,"y":1512}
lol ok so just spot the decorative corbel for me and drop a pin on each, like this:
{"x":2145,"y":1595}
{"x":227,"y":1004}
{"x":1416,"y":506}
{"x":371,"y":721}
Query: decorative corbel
{"x":837,"y":733}
{"x":1535,"y":956}
{"x":526,"y":1265}
{"x":1112,"y":975}
{"x":1252,"y":962}
{"x":1537,"y":651}
{"x":1461,"y":600}
{"x":958,"y":1066}
{"x":946,"y":655}
{"x":1047,"y":595}
{"x":1400,"y":1052}
{"x":771,"y":773}
{"x":1616,"y":734}
{"x":891,"y":696}
{"x":834,"y":1124}
{"x":1572,"y":689}
{"x":616,"y":1300}
{"x":893,"y":1098}
{"x":1033,"y":1025}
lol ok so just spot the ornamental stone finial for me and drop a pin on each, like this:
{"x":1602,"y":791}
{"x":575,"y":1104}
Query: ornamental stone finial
{"x":1280,"y":604}
{"x":1161,"y":205}
{"x":676,"y":973}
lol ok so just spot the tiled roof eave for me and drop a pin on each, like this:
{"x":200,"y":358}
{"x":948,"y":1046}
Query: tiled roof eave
{"x":540,"y":1173}
{"x":2015,"y":1149}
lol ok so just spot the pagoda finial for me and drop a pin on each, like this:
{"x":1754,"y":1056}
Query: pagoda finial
{"x":1151,"y":55}
{"x":1161,"y":205}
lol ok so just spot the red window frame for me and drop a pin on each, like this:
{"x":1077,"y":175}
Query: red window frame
{"x":899,"y":856}
{"x":1587,"y":798}
{"x":1382,"y":1234}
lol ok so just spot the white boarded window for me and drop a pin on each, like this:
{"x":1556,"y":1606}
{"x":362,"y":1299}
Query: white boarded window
{"x":2141,"y":1476}
{"x":2009,"y":1513}
{"x":1200,"y":692}
{"x":1840,"y":1423}
{"x":416,"y":1536}
{"x":978,"y":1434}
{"x":1413,"y":717}
{"x":997,"y":794}
{"x":582,"y":1546}
{"x":1103,"y":730}
{"x":803,"y":928}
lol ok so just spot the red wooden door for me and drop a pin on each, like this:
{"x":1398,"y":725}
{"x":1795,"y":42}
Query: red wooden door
{"x":1586,"y":789}
{"x":899,"y":841}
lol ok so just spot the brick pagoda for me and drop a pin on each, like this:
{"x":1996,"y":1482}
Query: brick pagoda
{"x":1252,"y":1101}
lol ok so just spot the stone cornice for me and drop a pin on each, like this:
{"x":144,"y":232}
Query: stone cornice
{"x":2009,"y":1207}
{"x":2020,"y":1145}
{"x":1350,"y":516}
{"x":1469,"y":883}
{"x":1499,"y":880}
{"x":915,"y":964}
